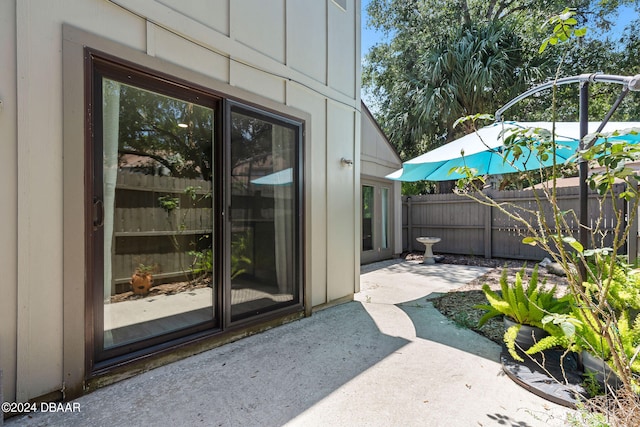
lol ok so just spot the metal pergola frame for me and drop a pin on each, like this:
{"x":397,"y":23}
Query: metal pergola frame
{"x":629,"y":83}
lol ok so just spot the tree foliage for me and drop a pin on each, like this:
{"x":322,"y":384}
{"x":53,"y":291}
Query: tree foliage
{"x":176,"y":134}
{"x":449,"y":58}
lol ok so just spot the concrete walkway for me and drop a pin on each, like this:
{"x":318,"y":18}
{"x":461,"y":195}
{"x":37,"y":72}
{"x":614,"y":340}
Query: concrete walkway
{"x":386,"y":359}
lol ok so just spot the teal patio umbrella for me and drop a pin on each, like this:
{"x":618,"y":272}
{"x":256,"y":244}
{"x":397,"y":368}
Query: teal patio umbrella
{"x":485,"y":153}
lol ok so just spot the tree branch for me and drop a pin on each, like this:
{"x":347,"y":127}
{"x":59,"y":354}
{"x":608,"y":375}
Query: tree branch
{"x":155,"y":157}
{"x":492,"y":5}
{"x":466,"y":16}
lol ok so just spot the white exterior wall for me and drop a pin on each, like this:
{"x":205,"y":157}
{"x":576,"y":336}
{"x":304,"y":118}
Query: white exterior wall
{"x":9,"y":197}
{"x":378,"y":157}
{"x":301,"y":54}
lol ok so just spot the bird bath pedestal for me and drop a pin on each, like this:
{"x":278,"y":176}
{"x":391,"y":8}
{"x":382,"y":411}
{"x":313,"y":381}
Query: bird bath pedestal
{"x":428,"y":242}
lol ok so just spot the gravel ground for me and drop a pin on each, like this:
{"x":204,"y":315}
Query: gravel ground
{"x":458,"y":305}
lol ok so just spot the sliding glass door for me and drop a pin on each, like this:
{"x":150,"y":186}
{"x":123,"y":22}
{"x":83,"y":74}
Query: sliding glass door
{"x":195,"y":213}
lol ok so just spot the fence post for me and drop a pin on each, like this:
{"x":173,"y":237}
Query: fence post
{"x":488,"y":232}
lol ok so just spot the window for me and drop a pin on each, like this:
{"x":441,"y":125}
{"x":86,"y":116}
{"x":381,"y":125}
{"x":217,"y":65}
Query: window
{"x":341,"y":3}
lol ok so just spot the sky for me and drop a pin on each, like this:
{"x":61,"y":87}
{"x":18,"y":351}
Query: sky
{"x":368,"y":36}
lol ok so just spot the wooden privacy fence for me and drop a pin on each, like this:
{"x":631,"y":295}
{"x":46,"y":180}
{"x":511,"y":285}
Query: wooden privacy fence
{"x":164,"y":236}
{"x":470,"y":228}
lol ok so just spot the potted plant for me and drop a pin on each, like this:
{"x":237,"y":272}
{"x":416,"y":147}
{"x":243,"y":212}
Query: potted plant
{"x":595,"y":352}
{"x":142,"y":279}
{"x":614,"y":288}
{"x":606,"y":308}
{"x":523,"y":310}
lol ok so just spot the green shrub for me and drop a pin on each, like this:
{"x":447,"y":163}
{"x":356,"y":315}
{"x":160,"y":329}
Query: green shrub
{"x":527,"y":306}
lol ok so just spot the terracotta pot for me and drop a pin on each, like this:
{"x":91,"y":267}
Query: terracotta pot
{"x":141,"y":283}
{"x":527,"y":335}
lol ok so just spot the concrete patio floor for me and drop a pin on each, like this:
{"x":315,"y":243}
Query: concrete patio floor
{"x":386,"y":359}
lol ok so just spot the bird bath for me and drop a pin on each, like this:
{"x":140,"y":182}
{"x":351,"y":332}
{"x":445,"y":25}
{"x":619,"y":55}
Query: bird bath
{"x":428,"y":242}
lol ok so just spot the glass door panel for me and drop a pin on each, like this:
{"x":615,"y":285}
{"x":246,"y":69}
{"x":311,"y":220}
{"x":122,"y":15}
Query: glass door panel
{"x":384,"y":218}
{"x":158,"y":252}
{"x":367,"y":217}
{"x":264,"y":231}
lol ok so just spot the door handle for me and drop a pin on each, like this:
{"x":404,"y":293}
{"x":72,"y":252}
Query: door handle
{"x":98,"y":213}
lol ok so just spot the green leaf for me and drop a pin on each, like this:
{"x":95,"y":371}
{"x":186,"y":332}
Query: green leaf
{"x":544,"y":344}
{"x":568,"y":328}
{"x":543,"y":46}
{"x":490,"y":314}
{"x":530,"y":241}
{"x":566,"y":14}
{"x":510,"y":341}
{"x":571,"y":241}
{"x":580,"y":32}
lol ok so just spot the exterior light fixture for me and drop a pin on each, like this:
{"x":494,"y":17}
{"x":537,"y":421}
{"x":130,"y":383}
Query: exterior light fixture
{"x":346,"y":162}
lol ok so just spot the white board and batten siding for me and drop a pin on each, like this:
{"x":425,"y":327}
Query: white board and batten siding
{"x":305,"y":55}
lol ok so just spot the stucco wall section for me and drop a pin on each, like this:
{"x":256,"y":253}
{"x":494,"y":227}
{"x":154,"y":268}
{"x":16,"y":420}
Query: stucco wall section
{"x":255,"y":81}
{"x":263,"y":31}
{"x":342,"y":41}
{"x":180,"y":51}
{"x":213,"y":14}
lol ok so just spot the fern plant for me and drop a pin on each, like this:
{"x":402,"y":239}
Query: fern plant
{"x":525,"y":306}
{"x":625,"y":328}
{"x":615,"y":276}
{"x":629,"y":331}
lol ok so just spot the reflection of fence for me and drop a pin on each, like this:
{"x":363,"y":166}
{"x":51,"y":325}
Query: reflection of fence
{"x":147,"y":233}
{"x":467,"y":227}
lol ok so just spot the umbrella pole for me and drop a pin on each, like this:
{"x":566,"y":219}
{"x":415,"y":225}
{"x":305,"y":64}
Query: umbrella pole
{"x":583,"y":169}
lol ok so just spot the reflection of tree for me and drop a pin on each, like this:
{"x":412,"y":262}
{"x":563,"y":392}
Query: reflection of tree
{"x":252,"y":150}
{"x":149,"y":127}
{"x":256,"y":149}
{"x":251,"y":139}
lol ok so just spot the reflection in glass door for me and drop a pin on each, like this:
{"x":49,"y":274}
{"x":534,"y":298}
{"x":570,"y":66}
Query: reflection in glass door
{"x":153,"y":204}
{"x":384,"y":218}
{"x":264,"y":225}
{"x":367,"y":217}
